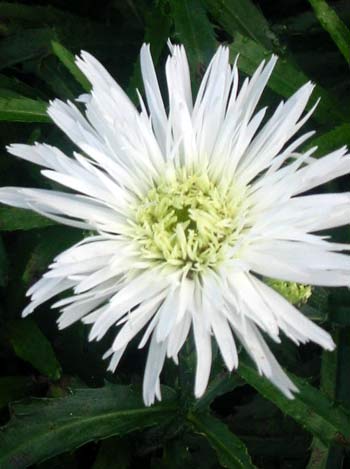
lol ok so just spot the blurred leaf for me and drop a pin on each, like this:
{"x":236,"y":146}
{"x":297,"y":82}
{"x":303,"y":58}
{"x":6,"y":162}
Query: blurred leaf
{"x":221,"y":384}
{"x":331,"y":22}
{"x":30,"y":344}
{"x":244,"y":17}
{"x":19,"y":87}
{"x":5,"y":93}
{"x":3,"y":264}
{"x":13,"y":219}
{"x":299,"y":24}
{"x":57,"y":77}
{"x":231,"y":452}
{"x":286,"y":79}
{"x":157,"y":29}
{"x":24,"y":45}
{"x":52,"y":241}
{"x":310,"y":408}
{"x":176,"y":455}
{"x":157,"y":32}
{"x":32,"y":13}
{"x":114,"y":452}
{"x":43,"y":428}
{"x":23,"y":110}
{"x":314,"y":314}
{"x":193,"y":29}
{"x":77,"y":32}
{"x":317,"y":307}
{"x":326,"y":456}
{"x":67,"y":58}
{"x":331,"y":140}
{"x":288,"y":447}
{"x":343,"y":382}
{"x":341,"y":315}
{"x":13,"y":388}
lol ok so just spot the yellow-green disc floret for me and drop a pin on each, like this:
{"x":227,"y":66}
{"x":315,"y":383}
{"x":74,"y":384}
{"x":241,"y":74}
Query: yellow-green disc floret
{"x":187,"y":220}
{"x":295,"y":293}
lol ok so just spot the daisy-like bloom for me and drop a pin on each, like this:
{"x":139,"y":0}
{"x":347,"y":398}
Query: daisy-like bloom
{"x":190,"y":205}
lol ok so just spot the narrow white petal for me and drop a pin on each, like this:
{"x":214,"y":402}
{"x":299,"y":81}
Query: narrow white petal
{"x":178,"y":336}
{"x":202,"y":342}
{"x":154,"y":365}
{"x":136,"y":321}
{"x":290,"y":319}
{"x":154,"y":98}
{"x":116,"y":357}
{"x":224,"y":338}
{"x":260,"y":353}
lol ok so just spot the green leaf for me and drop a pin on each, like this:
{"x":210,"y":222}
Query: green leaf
{"x":30,"y":344}
{"x":242,"y":16}
{"x":43,"y":428}
{"x":286,"y":79}
{"x":23,"y":110}
{"x":13,"y":219}
{"x":230,"y":450}
{"x":193,"y":29}
{"x":310,"y":408}
{"x":13,"y":388}
{"x":333,"y":25}
{"x":67,"y":58}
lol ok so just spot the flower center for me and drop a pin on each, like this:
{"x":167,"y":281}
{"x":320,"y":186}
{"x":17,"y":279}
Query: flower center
{"x":187,"y":220}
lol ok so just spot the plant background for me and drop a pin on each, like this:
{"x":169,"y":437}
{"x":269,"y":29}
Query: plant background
{"x":58,"y":406}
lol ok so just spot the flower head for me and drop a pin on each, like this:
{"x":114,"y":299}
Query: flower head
{"x":191,"y":208}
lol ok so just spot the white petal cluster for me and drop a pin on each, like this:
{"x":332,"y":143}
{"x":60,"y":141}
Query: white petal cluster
{"x":165,"y":260}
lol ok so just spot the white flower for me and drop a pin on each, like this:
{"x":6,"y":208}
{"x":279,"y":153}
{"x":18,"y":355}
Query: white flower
{"x":190,"y":207}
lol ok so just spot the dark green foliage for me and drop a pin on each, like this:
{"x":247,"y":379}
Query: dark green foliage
{"x":13,"y":219}
{"x":193,"y":29}
{"x":22,"y":335}
{"x":331,"y":22}
{"x":230,"y":450}
{"x":286,"y":79}
{"x":310,"y":408}
{"x":20,"y":109}
{"x":42,"y":428}
{"x":71,"y":412}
